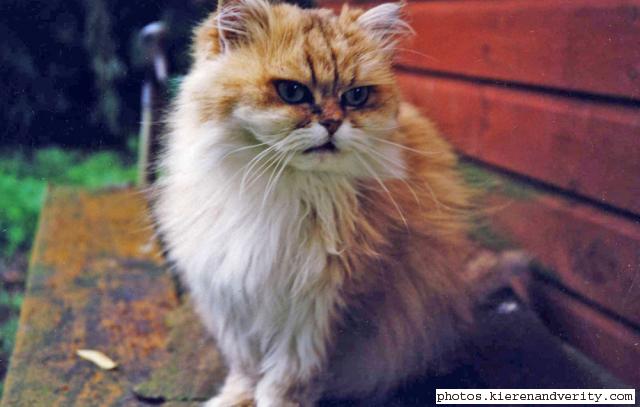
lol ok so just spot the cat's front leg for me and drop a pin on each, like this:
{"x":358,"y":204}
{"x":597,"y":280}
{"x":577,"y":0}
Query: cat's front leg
{"x":294,"y":368}
{"x":277,"y":388}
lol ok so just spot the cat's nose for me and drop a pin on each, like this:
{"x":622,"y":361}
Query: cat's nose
{"x":331,"y":125}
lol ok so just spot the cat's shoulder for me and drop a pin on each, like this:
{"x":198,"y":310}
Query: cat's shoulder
{"x":412,"y":120}
{"x":421,"y":132}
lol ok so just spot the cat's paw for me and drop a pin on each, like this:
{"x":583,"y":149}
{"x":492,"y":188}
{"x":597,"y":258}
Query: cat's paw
{"x":238,"y":391}
{"x":270,"y":394}
{"x":266,"y":399}
{"x":230,"y":400}
{"x":277,"y":403}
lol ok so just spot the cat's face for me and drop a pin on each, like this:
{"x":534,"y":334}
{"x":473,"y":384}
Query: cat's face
{"x":315,"y":89}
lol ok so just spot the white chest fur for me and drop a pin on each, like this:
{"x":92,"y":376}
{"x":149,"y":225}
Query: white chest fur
{"x":256,"y":266}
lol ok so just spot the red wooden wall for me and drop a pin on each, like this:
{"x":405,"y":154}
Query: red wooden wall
{"x":548,"y":92}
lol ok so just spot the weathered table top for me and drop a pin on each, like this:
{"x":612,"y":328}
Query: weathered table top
{"x":97,"y":281}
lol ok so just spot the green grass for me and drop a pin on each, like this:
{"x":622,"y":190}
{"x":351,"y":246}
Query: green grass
{"x":23,"y":182}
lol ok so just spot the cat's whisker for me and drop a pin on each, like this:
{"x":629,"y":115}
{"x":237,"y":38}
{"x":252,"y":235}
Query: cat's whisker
{"x":428,"y":187}
{"x":286,"y":157}
{"x":384,"y":187}
{"x":380,"y":159}
{"x":424,"y":153}
{"x":371,"y":149}
{"x":262,"y":134}
{"x":260,"y":168}
{"x":277,"y":160}
{"x":264,"y":167}
{"x":425,"y":184}
{"x":237,"y":150}
{"x":285,"y":161}
{"x":246,"y":170}
{"x":439,"y":204}
{"x":398,"y":165}
{"x":412,"y":51}
{"x":385,"y":128}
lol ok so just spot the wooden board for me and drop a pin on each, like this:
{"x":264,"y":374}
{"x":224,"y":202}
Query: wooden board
{"x":601,"y":338}
{"x":593,"y":253}
{"x":96,"y":281}
{"x":589,"y":46}
{"x":193,"y":370}
{"x":592,"y":149}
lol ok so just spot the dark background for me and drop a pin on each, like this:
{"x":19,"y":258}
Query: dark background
{"x":69,"y":74}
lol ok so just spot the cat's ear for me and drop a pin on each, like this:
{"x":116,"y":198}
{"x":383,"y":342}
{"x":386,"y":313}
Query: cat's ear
{"x":235,"y":22}
{"x":238,"y":21}
{"x":385,"y":23}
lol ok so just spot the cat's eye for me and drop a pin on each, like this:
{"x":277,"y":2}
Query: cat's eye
{"x":293,"y":92}
{"x":356,"y":97}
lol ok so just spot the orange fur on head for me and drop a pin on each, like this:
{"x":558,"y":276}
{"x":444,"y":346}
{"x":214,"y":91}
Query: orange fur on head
{"x":316,"y":218}
{"x":329,"y":54}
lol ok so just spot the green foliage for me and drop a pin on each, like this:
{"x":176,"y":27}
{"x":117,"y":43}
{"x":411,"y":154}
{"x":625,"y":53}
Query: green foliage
{"x":100,"y":170}
{"x":20,"y":201}
{"x":11,"y":301}
{"x":23,"y":182}
{"x":488,"y":181}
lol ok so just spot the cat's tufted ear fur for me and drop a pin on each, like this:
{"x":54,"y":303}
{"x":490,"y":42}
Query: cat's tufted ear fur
{"x":235,"y":23}
{"x":386,"y":24}
{"x":239,"y":21}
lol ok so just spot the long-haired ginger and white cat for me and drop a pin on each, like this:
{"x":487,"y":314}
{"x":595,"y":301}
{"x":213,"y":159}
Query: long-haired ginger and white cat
{"x":315,"y":218}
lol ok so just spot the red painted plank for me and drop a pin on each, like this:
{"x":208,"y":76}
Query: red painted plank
{"x":594,"y":253}
{"x":589,"y":148}
{"x":606,"y":341}
{"x":585,"y":45}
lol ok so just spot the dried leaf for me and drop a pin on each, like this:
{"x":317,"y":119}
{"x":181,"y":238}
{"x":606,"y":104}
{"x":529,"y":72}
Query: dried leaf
{"x":98,"y":358}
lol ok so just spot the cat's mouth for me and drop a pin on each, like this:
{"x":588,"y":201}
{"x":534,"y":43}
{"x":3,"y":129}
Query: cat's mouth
{"x":327,"y":147}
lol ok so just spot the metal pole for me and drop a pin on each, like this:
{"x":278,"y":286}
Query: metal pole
{"x":153,"y":87}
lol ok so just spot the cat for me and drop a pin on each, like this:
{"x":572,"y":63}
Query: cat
{"x":317,"y":219}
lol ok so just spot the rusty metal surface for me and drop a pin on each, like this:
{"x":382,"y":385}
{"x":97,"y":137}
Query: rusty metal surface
{"x":95,"y":282}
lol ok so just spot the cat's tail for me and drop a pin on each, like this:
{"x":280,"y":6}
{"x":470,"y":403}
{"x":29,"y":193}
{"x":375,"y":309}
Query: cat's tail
{"x":490,"y":272}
